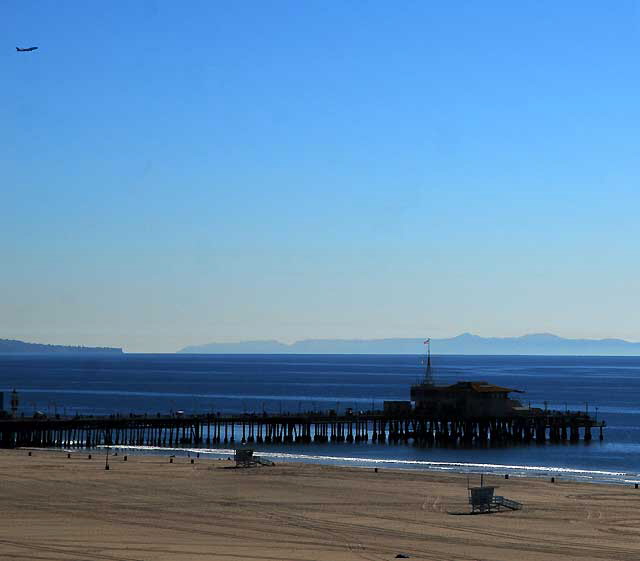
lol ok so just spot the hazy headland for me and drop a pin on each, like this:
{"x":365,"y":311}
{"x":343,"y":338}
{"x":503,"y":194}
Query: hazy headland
{"x":12,"y":346}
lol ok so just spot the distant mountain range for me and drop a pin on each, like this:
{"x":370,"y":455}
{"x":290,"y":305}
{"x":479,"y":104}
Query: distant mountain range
{"x":9,"y":346}
{"x":465,"y":344}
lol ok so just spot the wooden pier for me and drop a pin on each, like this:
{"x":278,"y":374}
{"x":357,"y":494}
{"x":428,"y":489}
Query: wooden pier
{"x":211,"y":430}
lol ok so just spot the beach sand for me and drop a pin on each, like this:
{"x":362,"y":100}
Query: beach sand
{"x":54,"y":508}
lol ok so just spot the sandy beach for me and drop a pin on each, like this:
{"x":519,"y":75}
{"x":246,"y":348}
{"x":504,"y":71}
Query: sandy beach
{"x":144,"y":509}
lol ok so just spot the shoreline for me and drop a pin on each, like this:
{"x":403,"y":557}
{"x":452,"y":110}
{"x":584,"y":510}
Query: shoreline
{"x":577,"y":475}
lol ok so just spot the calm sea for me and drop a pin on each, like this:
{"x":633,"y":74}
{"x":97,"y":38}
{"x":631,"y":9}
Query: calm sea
{"x":608,"y":387}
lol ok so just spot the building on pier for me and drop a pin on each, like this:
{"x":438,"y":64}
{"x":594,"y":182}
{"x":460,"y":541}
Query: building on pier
{"x":465,"y":399}
{"x":462,"y":399}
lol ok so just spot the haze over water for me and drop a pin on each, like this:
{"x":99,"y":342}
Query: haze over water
{"x":607,"y":386}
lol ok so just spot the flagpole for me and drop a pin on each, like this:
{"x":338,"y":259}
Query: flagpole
{"x":428,"y":376}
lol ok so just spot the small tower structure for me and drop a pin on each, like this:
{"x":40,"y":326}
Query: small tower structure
{"x":14,"y":402}
{"x":428,"y":373}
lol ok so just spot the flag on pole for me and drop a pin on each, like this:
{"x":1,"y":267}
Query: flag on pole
{"x":427,"y":341}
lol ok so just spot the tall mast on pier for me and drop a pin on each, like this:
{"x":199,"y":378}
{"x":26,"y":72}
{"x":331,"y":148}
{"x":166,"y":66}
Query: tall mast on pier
{"x":428,"y":374}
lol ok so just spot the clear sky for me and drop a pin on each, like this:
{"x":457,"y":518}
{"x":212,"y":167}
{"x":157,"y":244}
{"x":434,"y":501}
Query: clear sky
{"x":179,"y":173}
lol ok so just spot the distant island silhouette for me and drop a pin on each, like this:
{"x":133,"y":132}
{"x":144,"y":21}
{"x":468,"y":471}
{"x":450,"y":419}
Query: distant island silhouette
{"x":11,"y":346}
{"x":465,"y":344}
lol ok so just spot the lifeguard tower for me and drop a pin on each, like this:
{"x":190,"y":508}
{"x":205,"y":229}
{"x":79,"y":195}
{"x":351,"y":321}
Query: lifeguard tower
{"x":484,"y":500}
{"x":244,"y":458}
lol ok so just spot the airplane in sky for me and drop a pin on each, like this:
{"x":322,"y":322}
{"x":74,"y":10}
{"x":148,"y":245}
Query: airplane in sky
{"x":25,"y":50}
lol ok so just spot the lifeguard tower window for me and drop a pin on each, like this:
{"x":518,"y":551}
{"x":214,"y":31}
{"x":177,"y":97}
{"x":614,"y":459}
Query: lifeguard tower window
{"x":481,"y":498}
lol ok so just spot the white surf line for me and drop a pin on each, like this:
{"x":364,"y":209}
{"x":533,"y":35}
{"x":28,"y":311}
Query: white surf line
{"x":444,"y":465}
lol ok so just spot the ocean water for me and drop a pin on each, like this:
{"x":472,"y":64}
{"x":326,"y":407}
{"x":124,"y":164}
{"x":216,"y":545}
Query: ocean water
{"x":608,"y":387}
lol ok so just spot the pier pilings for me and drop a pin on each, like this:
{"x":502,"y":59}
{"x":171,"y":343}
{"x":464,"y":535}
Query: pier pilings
{"x":377,"y":427}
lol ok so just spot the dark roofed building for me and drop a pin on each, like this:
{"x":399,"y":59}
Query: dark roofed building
{"x":469,"y":399}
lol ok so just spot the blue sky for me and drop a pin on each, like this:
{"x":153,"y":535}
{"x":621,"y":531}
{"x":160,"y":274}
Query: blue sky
{"x":174,"y":174}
